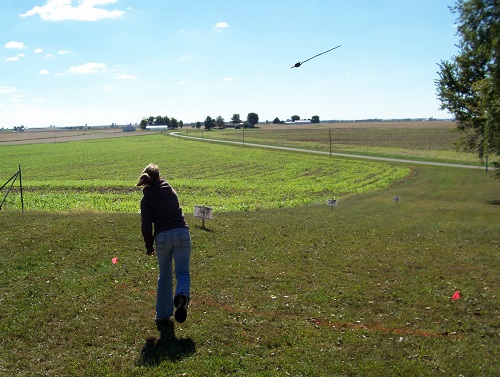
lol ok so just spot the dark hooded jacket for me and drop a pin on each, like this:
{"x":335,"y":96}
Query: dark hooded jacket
{"x":160,"y":206}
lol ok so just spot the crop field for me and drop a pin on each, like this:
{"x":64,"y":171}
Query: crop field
{"x":429,"y":141}
{"x":49,"y":135}
{"x":282,"y":284}
{"x":100,"y":174}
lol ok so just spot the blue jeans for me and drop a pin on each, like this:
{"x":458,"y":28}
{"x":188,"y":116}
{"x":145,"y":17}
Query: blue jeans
{"x":176,"y":244}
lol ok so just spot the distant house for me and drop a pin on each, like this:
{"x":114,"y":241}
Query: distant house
{"x":300,"y":121}
{"x":128,"y":128}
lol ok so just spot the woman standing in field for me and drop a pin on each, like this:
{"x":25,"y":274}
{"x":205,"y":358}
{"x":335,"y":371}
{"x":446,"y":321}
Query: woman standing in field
{"x":160,"y":207}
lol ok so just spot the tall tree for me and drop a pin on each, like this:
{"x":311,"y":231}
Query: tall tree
{"x":174,"y":123}
{"x":166,"y":121}
{"x":159,"y":120}
{"x":235,"y":119}
{"x":219,"y":122}
{"x":252,"y":119}
{"x":315,"y":119}
{"x":209,"y":123}
{"x":469,"y":84}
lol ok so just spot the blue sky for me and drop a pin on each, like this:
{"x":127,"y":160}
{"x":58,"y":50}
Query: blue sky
{"x":97,"y":62}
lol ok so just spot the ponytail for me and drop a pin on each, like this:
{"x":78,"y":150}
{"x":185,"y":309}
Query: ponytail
{"x":150,"y":174}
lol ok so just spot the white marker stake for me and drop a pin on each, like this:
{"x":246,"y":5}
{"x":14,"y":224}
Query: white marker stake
{"x":332,"y":203}
{"x":202,"y":212}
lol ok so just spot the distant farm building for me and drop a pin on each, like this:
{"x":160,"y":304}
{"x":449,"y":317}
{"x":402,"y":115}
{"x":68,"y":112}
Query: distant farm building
{"x":157,"y":128}
{"x":301,"y":121}
{"x":128,"y":128}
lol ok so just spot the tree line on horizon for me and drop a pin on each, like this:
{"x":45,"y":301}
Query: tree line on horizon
{"x":218,"y":122}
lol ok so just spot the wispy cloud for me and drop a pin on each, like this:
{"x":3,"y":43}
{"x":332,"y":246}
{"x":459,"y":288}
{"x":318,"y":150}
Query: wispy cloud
{"x":38,"y":51}
{"x":219,"y":26}
{"x":14,"y":58}
{"x":227,"y":79}
{"x":124,"y":76}
{"x":7,"y":89}
{"x":108,"y":88}
{"x":85,"y":10}
{"x":64,"y":52}
{"x":43,"y":72}
{"x":18,"y":98}
{"x":87,"y":68}
{"x":15,"y":45}
{"x":187,"y":57}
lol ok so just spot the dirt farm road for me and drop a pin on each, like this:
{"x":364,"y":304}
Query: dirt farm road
{"x":176,"y":134}
{"x":56,"y":135}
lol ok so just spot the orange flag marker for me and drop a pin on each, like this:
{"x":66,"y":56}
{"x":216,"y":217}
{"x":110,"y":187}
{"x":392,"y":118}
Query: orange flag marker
{"x":114,"y":260}
{"x":456,"y":296}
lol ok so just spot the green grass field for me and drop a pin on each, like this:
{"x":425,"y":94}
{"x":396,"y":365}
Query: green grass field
{"x":99,"y":175}
{"x":303,"y":290}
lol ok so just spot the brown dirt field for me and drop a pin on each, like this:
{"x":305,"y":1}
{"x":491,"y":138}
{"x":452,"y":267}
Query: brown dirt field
{"x":56,"y":136}
{"x":382,"y":124}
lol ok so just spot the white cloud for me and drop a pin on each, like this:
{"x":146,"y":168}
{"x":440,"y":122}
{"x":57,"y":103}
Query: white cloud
{"x":14,"y":58}
{"x":221,"y":25}
{"x":38,"y":51}
{"x":64,"y":52}
{"x":108,"y":88}
{"x":7,"y":89}
{"x":227,"y":79}
{"x":85,"y":10}
{"x":87,"y":68}
{"x":18,"y":98}
{"x":43,"y":72}
{"x":16,"y":45}
{"x":186,"y":57}
{"x":124,"y":76}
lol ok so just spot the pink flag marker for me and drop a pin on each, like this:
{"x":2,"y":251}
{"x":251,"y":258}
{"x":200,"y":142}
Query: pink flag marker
{"x":114,"y":260}
{"x":456,"y":296}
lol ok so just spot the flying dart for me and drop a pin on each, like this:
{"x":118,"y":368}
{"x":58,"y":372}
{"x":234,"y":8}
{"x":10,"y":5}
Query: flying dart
{"x":297,"y":65}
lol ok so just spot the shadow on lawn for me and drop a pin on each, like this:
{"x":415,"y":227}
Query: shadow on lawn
{"x":204,"y":229}
{"x":154,"y":352}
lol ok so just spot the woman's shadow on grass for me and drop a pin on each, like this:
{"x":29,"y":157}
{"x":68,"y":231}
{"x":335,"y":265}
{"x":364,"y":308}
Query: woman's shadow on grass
{"x":154,"y":351}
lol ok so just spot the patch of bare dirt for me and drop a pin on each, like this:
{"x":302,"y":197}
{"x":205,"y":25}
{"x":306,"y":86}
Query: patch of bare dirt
{"x":381,"y":124}
{"x":56,"y":136}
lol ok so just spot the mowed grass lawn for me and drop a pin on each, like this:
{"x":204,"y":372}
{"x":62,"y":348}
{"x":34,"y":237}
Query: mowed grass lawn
{"x":306,"y":290}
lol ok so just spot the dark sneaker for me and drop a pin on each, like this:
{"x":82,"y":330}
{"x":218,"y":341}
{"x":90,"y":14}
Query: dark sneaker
{"x":166,"y":329}
{"x":181,"y":302}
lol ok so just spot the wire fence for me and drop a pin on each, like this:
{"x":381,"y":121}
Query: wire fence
{"x":12,"y":180}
